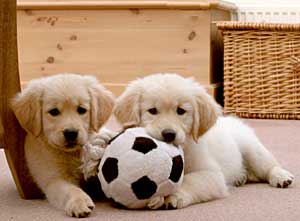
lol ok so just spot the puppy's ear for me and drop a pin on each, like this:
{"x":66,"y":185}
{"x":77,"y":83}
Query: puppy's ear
{"x":102,"y":102}
{"x":127,"y":107}
{"x":206,"y":113}
{"x":27,"y":106}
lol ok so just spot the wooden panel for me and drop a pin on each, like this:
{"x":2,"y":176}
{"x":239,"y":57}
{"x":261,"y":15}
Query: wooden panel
{"x":118,"y":89}
{"x":125,"y":4}
{"x":115,"y":45}
{"x":145,"y":1}
{"x":9,"y":85}
{"x":217,"y":45}
{"x":1,"y":135}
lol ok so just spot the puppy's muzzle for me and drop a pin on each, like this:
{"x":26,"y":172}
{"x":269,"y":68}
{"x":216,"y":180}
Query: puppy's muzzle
{"x":168,"y":135}
{"x":71,"y":135}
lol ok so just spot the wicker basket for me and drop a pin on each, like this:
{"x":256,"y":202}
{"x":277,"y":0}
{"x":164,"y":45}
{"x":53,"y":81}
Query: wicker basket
{"x":261,"y":70}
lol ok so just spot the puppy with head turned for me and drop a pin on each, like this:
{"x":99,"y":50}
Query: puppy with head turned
{"x":60,"y":114}
{"x":219,"y":151}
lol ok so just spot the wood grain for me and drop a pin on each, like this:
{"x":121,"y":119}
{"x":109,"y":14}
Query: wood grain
{"x":124,"y":4}
{"x":118,"y":89}
{"x":1,"y":135}
{"x":217,"y":46}
{"x":117,"y":46}
{"x":13,"y":139}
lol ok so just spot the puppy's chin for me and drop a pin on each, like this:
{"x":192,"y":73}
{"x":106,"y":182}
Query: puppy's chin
{"x":69,"y":147}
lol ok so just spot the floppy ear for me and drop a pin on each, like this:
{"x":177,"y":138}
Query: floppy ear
{"x":102,"y":102}
{"x":206,"y":113}
{"x":27,"y":106}
{"x":127,"y":107}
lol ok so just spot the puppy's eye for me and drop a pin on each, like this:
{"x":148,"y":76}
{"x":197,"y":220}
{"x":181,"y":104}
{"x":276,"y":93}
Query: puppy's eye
{"x":152,"y":111}
{"x":81,"y":110}
{"x":180,"y":111}
{"x":54,"y":112}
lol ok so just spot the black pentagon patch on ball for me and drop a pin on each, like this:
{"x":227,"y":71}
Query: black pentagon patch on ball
{"x":110,"y":169}
{"x":177,"y":168}
{"x":143,"y":188}
{"x":144,"y":144}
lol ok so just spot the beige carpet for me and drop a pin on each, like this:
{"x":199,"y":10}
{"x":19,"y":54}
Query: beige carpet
{"x":251,"y":202}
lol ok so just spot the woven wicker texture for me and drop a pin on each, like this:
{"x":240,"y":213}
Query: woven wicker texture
{"x":261,"y":70}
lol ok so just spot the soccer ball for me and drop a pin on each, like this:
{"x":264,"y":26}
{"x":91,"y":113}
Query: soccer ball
{"x":135,"y":168}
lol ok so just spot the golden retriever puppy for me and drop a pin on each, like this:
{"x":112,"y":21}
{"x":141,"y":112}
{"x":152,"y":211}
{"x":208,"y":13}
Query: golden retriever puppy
{"x":60,"y":114}
{"x":219,"y":151}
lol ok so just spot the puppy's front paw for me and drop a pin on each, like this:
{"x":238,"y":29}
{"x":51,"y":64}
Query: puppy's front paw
{"x":177,"y":200}
{"x":156,"y":202}
{"x":79,"y":206}
{"x":280,"y":178}
{"x":241,"y":180}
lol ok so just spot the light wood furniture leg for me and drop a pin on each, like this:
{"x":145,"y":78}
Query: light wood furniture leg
{"x":11,"y":134}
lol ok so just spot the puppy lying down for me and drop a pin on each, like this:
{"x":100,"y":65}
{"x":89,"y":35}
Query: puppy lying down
{"x":219,"y":151}
{"x":60,"y":114}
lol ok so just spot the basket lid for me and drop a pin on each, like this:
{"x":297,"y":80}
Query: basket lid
{"x":237,"y":25}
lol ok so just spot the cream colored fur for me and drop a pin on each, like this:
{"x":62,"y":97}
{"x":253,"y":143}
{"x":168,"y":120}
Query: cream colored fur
{"x":53,"y":164}
{"x":219,"y":151}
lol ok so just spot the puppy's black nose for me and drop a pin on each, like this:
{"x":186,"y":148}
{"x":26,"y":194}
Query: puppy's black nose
{"x":168,"y":135}
{"x":70,"y":134}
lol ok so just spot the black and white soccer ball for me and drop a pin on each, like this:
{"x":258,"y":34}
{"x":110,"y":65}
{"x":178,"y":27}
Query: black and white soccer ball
{"x":135,"y":168}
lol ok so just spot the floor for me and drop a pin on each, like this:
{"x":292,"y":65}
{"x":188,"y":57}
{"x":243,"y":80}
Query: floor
{"x":250,"y":202}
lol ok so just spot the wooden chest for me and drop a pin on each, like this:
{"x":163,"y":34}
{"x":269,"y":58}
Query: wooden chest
{"x":118,"y":41}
